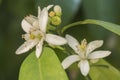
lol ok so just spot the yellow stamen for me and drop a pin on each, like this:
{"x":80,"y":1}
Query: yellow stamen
{"x":52,"y":14}
{"x":83,"y":45}
{"x":32,"y":36}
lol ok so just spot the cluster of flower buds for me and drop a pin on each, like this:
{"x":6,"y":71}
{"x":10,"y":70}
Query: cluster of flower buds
{"x":55,"y":15}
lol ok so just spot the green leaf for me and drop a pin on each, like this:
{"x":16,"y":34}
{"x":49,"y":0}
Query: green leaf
{"x":107,"y":25}
{"x":104,"y":71}
{"x":47,"y":67}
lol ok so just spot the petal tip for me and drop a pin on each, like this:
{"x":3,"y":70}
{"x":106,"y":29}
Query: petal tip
{"x":67,"y":35}
{"x":18,"y":52}
{"x":102,"y":42}
{"x":55,"y":39}
{"x":108,"y":53}
{"x":49,"y":6}
{"x":84,"y":67}
{"x":70,"y":60}
{"x":64,"y":66}
{"x":37,"y":54}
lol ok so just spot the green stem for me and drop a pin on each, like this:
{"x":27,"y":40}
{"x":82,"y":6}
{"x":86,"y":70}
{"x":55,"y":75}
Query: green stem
{"x":71,"y":25}
{"x":88,"y":77}
{"x":50,"y":27}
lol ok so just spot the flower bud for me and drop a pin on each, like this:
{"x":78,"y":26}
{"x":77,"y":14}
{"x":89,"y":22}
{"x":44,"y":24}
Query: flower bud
{"x":57,"y":10}
{"x":56,"y":20}
{"x":52,"y":14}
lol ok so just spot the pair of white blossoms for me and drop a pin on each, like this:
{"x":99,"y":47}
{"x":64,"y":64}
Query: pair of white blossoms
{"x":35,"y":28}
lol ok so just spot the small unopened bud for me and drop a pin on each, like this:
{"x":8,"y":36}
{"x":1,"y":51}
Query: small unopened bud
{"x":56,"y":20}
{"x":52,"y":14}
{"x":58,"y":10}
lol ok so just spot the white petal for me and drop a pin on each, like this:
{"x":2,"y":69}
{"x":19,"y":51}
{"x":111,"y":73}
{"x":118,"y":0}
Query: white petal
{"x":26,"y":46}
{"x":49,"y":6}
{"x":98,"y":54}
{"x":26,"y":26}
{"x":84,"y":67}
{"x":35,"y":24}
{"x":55,"y":40}
{"x":70,"y":60}
{"x":39,"y":48}
{"x":43,"y":19}
{"x":27,"y":23}
{"x":93,"y":45}
{"x":73,"y":43}
{"x":26,"y":36}
{"x":30,"y":19}
{"x":39,"y":11}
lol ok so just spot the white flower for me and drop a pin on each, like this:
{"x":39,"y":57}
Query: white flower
{"x":35,"y":28}
{"x":84,"y":52}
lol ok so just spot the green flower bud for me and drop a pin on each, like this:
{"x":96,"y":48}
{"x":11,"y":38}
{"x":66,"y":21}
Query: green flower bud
{"x":56,"y":20}
{"x":58,"y":10}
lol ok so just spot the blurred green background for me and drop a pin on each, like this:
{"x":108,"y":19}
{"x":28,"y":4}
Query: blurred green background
{"x":13,"y":11}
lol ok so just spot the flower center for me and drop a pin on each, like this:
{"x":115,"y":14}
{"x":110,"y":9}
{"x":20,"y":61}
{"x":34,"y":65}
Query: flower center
{"x":82,"y":49}
{"x":32,"y":36}
{"x":83,"y":45}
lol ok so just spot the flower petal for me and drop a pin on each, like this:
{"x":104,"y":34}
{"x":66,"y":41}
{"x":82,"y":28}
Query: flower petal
{"x":93,"y":45}
{"x":39,"y":48}
{"x":26,"y":46}
{"x":30,"y":19}
{"x":98,"y":54}
{"x":26,"y":36}
{"x":84,"y":67}
{"x":43,"y":19}
{"x":72,"y":42}
{"x":27,"y":23}
{"x":26,"y":26}
{"x":49,"y":6}
{"x":55,"y":40}
{"x":70,"y":60}
{"x":39,"y":11}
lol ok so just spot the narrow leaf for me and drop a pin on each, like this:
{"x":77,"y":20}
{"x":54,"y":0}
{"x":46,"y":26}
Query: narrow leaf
{"x":47,"y":67}
{"x":107,"y":25}
{"x":104,"y":71}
